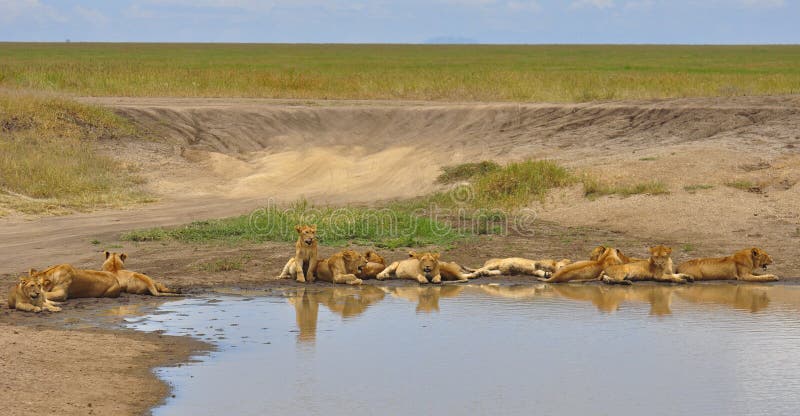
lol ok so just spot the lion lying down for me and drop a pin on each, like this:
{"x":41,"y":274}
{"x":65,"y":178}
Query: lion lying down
{"x":739,"y":266}
{"x":657,"y":268}
{"x":518,"y":265}
{"x":586,"y":270}
{"x":342,"y":267}
{"x":132,"y":282}
{"x":28,"y":295}
{"x":64,"y":282}
{"x":422,"y":267}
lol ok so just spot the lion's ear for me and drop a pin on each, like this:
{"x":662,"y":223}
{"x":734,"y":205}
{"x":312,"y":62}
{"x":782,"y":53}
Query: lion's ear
{"x":669,"y":250}
{"x":435,"y":256}
{"x":31,"y":272}
{"x":107,"y":254}
{"x":298,"y":227}
{"x":412,"y":253}
{"x":313,"y":227}
{"x":755,"y":252}
{"x":123,"y":256}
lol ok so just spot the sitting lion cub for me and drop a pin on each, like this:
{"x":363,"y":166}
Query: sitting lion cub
{"x":28,"y":295}
{"x":132,"y":282}
{"x":305,"y":255}
{"x":419,"y":267}
{"x":658,"y":268}
{"x":518,"y":265}
{"x":739,"y":266}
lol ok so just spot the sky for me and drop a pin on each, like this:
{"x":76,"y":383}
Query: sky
{"x":408,"y":21}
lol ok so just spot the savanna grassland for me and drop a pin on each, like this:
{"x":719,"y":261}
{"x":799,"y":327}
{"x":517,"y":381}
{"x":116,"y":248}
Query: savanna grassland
{"x":563,"y":73}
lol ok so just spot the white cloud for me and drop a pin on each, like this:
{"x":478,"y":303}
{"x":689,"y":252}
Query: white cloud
{"x":763,"y":4}
{"x":598,"y":4}
{"x":639,"y":5}
{"x":13,"y":10}
{"x":93,"y":16}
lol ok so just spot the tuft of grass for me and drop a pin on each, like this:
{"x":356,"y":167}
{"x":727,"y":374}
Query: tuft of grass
{"x":224,"y":264}
{"x":518,"y":184}
{"x":648,"y":159}
{"x":48,"y":163}
{"x":593,"y":188}
{"x":94,"y":242}
{"x":387,"y":228}
{"x":743,"y":185}
{"x":563,"y":73}
{"x":694,"y":188}
{"x":688,"y":248}
{"x":466,"y":171}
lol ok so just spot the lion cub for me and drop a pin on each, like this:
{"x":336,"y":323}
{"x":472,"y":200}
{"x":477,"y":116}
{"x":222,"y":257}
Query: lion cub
{"x":518,"y":265}
{"x":305,"y":254}
{"x":342,"y":267}
{"x":740,"y":266}
{"x":658,"y":268}
{"x":28,"y":295}
{"x":375,"y":265}
{"x":419,"y":267}
{"x":585,"y":270}
{"x":132,"y":282}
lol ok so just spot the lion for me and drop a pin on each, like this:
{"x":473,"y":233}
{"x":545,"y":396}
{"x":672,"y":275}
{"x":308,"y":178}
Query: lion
{"x":64,"y":282}
{"x":585,"y":270}
{"x":375,"y":265}
{"x":28,"y":295}
{"x":341,"y":267}
{"x":598,"y":251}
{"x":132,"y":282}
{"x":450,"y":270}
{"x":305,"y":255}
{"x":740,"y":266}
{"x":518,"y":265}
{"x":656,"y":268}
{"x":419,"y":267}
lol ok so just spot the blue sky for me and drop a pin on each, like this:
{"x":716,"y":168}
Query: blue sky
{"x":409,"y":21}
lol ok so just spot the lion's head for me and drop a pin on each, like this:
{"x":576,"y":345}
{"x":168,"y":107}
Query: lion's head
{"x":597,"y":252}
{"x":374,"y":257}
{"x":760,"y":258}
{"x":659,"y":255}
{"x":114,"y":261}
{"x":354,"y":262}
{"x":307,"y":233}
{"x":31,"y":287}
{"x":428,"y":263}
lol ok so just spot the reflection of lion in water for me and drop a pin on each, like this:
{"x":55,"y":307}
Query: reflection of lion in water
{"x":345,"y":301}
{"x":426,"y":297}
{"x":751,"y":298}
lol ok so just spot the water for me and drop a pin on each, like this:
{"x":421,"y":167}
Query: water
{"x":490,"y":349}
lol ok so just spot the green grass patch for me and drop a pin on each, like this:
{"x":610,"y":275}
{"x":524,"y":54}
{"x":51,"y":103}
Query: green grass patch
{"x":694,"y":188}
{"x":384,"y":227}
{"x":48,"y":161}
{"x":552,"y":73}
{"x":466,"y":171}
{"x":743,"y":185}
{"x":518,"y":184}
{"x":224,"y":264}
{"x":688,"y":248}
{"x":593,"y":188}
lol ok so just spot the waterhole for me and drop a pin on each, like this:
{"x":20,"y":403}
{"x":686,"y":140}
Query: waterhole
{"x":489,"y":349}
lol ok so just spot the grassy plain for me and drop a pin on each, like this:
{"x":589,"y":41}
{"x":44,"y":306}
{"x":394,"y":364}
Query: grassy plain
{"x":48,"y":160}
{"x":555,"y":73}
